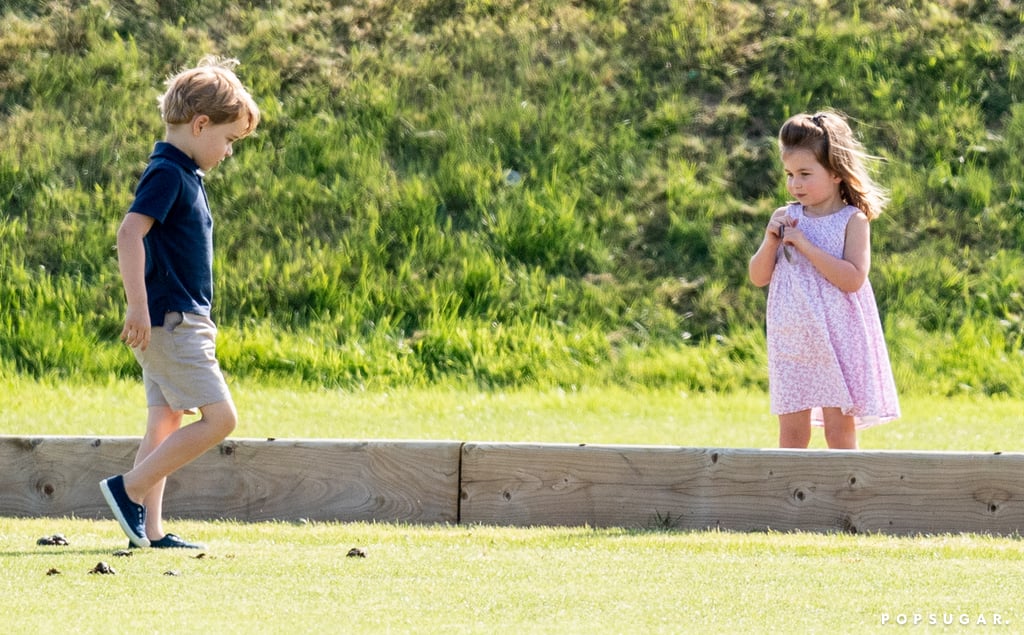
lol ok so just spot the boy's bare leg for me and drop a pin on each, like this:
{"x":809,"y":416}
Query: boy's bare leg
{"x":795,"y":429}
{"x":840,"y":430}
{"x":162,"y":422}
{"x":180,"y":448}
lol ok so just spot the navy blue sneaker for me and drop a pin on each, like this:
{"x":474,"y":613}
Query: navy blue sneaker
{"x":131,"y":516}
{"x":170,"y":541}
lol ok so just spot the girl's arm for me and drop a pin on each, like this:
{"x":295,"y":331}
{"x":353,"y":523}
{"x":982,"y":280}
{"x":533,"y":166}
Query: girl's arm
{"x":849,"y":272}
{"x":762,"y":264}
{"x":131,"y":260}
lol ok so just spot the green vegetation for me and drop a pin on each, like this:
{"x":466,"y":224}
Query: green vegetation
{"x":496,"y":193}
{"x":606,"y":415}
{"x":284,"y":578}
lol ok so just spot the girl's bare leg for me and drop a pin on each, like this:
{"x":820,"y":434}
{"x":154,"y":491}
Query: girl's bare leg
{"x":795,"y":429}
{"x":840,"y":430}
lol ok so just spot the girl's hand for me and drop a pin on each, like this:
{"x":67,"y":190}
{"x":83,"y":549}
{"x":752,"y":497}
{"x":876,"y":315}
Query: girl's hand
{"x":788,"y":233}
{"x":778,"y":224}
{"x":762,"y":263}
{"x":792,"y":235}
{"x":774,"y":228}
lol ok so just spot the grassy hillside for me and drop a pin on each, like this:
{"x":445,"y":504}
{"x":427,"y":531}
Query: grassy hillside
{"x":507,"y":192}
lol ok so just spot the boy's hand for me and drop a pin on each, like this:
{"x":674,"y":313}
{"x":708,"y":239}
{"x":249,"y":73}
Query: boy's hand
{"x":136,"y":329}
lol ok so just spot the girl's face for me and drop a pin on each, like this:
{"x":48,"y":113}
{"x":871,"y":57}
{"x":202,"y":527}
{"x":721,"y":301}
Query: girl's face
{"x":810,"y":182}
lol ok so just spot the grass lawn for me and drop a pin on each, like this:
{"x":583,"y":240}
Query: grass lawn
{"x":605,"y":415}
{"x":287,"y":578}
{"x":277,"y":577}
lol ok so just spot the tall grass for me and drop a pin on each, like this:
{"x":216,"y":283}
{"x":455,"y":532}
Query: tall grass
{"x":504,"y":193}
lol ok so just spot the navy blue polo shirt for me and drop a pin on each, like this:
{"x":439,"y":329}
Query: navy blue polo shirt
{"x":179,"y":246}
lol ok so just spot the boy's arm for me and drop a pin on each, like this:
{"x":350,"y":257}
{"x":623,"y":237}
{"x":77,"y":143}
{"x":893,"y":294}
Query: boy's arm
{"x":131,"y":260}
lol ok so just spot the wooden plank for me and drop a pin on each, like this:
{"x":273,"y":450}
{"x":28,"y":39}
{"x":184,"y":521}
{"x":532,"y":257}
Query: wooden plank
{"x":531,"y":484}
{"x":743,"y":489}
{"x":248,"y":480}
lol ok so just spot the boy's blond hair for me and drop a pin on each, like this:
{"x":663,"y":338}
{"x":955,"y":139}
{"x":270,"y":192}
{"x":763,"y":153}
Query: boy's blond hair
{"x":212,"y":89}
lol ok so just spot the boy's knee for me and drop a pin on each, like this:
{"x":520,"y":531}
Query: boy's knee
{"x":221,"y":416}
{"x":229,"y":422}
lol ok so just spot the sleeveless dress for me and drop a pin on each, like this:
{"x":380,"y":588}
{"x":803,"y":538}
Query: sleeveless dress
{"x":825,"y":346}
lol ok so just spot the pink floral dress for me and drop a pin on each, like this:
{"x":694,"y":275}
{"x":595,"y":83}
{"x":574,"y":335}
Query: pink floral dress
{"x":825,"y":346}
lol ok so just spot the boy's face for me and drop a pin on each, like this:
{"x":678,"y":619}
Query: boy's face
{"x":211,"y":143}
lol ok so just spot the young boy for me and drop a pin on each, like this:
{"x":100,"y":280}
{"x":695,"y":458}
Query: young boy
{"x":165,"y":255}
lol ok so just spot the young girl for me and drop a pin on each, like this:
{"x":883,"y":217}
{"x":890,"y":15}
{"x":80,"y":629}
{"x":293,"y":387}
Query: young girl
{"x":827,"y":360}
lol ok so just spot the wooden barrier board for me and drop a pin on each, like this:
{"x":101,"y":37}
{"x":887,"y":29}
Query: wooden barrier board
{"x":247,"y":480}
{"x":745,"y":490}
{"x":536,"y":484}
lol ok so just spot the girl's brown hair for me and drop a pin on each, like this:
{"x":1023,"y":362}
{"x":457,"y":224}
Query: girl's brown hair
{"x":829,"y":137}
{"x":211,"y":89}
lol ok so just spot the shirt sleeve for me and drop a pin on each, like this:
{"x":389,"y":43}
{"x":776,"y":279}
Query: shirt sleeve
{"x":156,"y":192}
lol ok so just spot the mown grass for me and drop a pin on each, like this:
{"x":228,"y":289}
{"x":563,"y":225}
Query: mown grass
{"x":589,"y":415}
{"x":369,"y":235}
{"x":289,"y":578}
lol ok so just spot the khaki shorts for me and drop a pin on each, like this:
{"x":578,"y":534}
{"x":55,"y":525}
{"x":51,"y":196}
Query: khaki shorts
{"x":179,"y":367}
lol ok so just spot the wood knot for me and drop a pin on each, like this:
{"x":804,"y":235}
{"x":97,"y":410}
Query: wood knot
{"x":47,"y":487}
{"x":848,"y":526}
{"x":28,"y":444}
{"x":507,"y":495}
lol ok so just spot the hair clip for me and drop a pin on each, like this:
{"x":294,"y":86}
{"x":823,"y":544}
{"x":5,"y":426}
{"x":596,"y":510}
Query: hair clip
{"x":819,"y":120}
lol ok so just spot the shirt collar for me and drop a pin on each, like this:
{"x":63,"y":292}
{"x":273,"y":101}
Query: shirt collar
{"x":169,"y":151}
